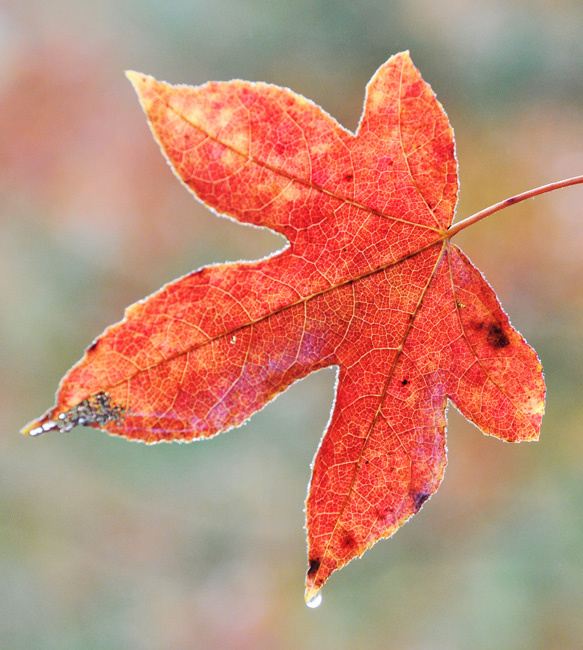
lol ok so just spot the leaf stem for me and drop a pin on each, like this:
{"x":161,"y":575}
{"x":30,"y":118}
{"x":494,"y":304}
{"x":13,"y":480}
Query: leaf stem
{"x":457,"y":227}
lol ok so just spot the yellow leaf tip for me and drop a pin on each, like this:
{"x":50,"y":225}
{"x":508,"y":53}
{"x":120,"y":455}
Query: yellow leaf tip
{"x":131,"y":74}
{"x":26,"y":430}
{"x":138,"y":79}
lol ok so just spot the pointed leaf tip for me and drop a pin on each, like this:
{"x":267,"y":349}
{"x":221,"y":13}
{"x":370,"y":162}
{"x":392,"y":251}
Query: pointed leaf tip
{"x":133,"y":76}
{"x":145,"y":86}
{"x":137,"y":79}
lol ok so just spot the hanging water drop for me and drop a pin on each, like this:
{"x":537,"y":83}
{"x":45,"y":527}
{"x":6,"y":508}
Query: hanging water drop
{"x":315,"y":601}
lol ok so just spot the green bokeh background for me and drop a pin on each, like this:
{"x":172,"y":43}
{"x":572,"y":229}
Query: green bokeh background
{"x":108,"y":544}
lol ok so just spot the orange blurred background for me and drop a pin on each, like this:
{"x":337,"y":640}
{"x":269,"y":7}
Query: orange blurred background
{"x":109,"y":544}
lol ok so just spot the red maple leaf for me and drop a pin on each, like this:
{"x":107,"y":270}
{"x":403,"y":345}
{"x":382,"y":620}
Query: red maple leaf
{"x":370,"y":282}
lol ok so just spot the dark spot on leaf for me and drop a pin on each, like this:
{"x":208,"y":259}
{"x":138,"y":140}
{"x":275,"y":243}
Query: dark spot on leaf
{"x":348,"y":540}
{"x":419,"y":499}
{"x":405,"y":382}
{"x":496,"y":336}
{"x":348,"y":177}
{"x":314,"y":566}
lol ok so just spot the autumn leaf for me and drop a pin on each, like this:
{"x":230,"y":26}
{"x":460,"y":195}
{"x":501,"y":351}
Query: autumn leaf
{"x":369,"y":282}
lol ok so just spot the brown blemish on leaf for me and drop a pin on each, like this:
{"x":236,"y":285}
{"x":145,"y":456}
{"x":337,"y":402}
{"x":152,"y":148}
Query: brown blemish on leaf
{"x":496,"y":336}
{"x":314,"y":566}
{"x":419,"y":499}
{"x":348,"y":540}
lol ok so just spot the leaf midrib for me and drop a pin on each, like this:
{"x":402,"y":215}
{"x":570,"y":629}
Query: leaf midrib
{"x":303,"y":300}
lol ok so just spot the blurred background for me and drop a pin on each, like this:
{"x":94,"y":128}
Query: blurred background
{"x":109,"y":544}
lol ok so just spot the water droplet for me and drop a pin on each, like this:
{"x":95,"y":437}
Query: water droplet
{"x":315,"y":601}
{"x":47,"y":426}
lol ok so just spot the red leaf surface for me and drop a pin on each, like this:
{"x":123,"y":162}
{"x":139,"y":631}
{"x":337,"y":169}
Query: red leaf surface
{"x":370,"y":282}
